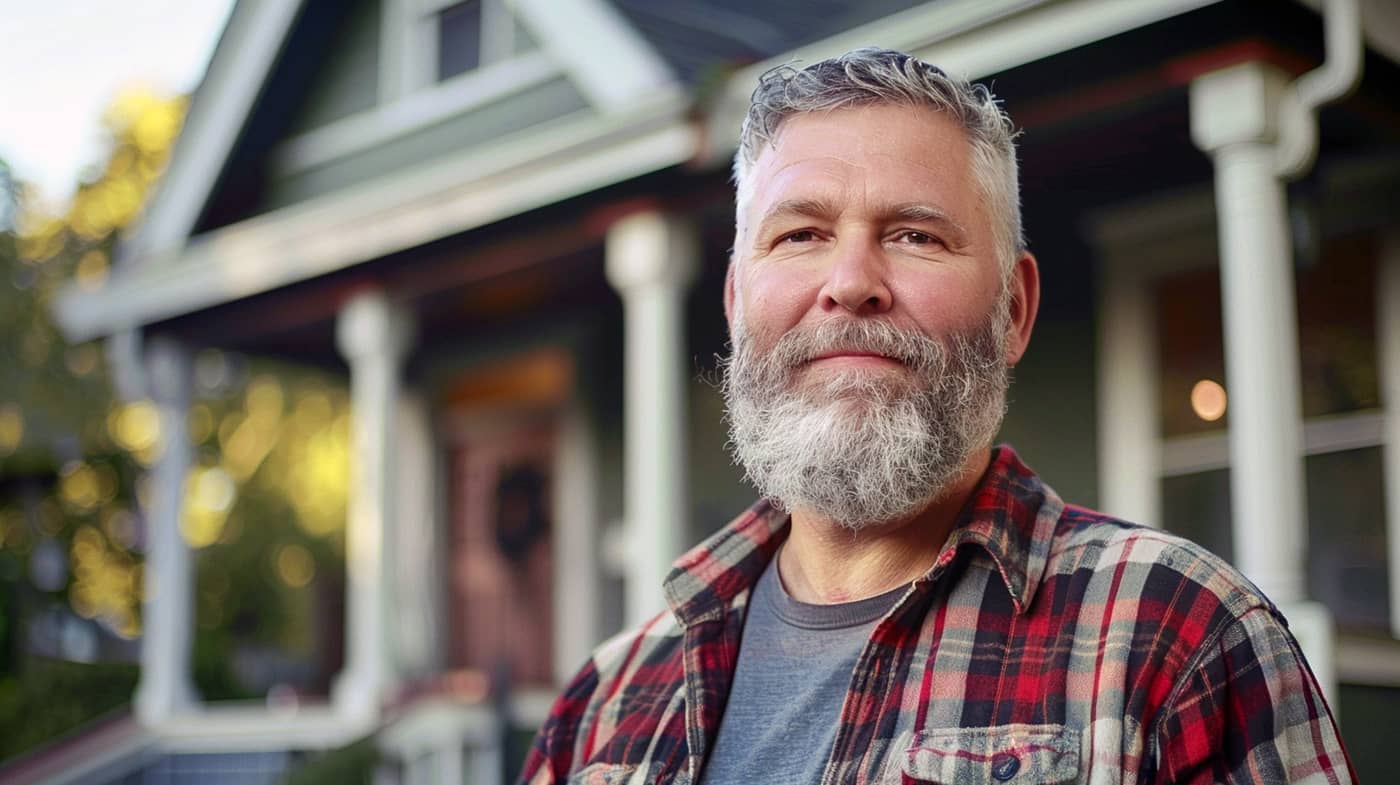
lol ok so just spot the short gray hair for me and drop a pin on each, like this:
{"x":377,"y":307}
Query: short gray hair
{"x":871,"y":76}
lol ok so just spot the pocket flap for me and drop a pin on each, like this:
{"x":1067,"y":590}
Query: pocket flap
{"x":602,"y":774}
{"x":1015,"y":754}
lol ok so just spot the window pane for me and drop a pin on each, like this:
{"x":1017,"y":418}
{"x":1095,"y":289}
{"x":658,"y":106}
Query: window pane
{"x":1189,"y":338}
{"x":1197,"y":507}
{"x":1369,"y":717}
{"x":459,"y":39}
{"x":1336,"y":339}
{"x":1337,"y":335}
{"x":1346,"y":545}
{"x":1346,"y":554}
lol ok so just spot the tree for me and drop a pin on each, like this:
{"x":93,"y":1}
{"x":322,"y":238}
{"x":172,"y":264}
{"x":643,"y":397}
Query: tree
{"x":264,"y":502}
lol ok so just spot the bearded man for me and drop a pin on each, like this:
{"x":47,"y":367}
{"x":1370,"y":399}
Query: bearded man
{"x":908,"y":604}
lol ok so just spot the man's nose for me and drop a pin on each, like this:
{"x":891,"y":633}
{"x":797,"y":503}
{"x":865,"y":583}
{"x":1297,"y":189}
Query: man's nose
{"x":856,"y":281}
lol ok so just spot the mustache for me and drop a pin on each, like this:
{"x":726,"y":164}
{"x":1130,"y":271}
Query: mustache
{"x":798,"y":347}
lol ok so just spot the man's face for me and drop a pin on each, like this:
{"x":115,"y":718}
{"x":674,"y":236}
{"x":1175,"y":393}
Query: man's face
{"x":869,"y":314}
{"x":864,"y":212}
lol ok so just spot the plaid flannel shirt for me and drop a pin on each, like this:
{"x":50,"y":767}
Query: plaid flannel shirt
{"x":1047,"y":643}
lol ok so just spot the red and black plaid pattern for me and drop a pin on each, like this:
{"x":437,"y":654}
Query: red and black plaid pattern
{"x":1048,"y":643}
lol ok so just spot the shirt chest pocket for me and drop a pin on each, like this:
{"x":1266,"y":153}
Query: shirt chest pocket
{"x":1010,"y":754}
{"x":620,"y":774}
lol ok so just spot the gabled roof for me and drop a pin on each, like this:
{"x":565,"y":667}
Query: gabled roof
{"x":603,"y":55}
{"x":640,"y":63}
{"x":706,"y":40}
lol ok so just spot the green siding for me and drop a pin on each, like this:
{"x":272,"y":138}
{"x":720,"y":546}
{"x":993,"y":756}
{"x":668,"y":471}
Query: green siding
{"x":478,"y":127}
{"x":348,"y":80}
{"x":1051,"y":419}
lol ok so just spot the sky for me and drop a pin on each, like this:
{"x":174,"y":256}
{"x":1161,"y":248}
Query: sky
{"x":62,"y":61}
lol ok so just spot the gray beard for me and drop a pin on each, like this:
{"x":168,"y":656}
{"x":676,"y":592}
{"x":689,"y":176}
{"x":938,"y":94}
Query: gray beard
{"x":864,"y":448}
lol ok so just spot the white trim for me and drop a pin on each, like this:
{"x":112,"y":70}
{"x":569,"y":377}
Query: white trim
{"x":1381,"y":25}
{"x":1370,"y":662}
{"x":972,"y":38}
{"x":607,"y":58}
{"x":420,"y":533}
{"x":497,"y":32}
{"x":1321,"y":435}
{"x":1157,"y":236}
{"x":577,"y":573}
{"x":423,"y":108}
{"x":396,"y":42}
{"x":1127,"y":382}
{"x":1388,"y":358}
{"x":553,"y":162}
{"x":254,"y":727}
{"x":241,"y":65}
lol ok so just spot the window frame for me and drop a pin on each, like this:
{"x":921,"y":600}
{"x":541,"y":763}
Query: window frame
{"x":1175,"y":233}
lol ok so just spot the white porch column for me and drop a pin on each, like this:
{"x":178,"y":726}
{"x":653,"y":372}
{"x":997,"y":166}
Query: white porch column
{"x":1234,"y":119}
{"x":1388,"y":338}
{"x":1129,"y":437}
{"x":419,"y":546}
{"x":374,"y":335}
{"x":651,"y":260}
{"x":166,"y":688}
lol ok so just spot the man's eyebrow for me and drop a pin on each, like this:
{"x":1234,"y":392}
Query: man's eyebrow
{"x":809,"y":208}
{"x":919,"y":212}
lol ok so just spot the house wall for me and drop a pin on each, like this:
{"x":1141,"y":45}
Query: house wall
{"x":348,"y":77}
{"x":482,"y":125}
{"x":1051,"y":417}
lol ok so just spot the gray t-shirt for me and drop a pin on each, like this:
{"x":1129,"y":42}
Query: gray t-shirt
{"x":794,"y":669}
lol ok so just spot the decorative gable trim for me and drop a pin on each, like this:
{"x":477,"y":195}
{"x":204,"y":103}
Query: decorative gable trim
{"x":245,"y":55}
{"x":606,"y":57}
{"x":429,"y":105}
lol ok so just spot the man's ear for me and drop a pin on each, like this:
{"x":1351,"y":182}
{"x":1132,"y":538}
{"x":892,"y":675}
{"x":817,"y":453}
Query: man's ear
{"x":729,"y":294}
{"x":1025,"y":304}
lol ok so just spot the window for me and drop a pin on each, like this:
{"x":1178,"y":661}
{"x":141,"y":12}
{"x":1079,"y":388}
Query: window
{"x":476,"y":33}
{"x":1346,"y":539}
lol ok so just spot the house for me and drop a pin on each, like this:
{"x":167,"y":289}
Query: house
{"x":506,"y":223}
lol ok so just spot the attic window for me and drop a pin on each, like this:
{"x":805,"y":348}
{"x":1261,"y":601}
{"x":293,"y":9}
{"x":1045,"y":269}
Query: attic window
{"x":477,"y":33}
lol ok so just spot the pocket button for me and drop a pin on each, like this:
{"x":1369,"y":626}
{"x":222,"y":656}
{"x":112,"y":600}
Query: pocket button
{"x":1004,"y":766}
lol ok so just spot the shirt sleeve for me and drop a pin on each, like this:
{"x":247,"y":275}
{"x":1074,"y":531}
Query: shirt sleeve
{"x":1250,"y":711}
{"x":552,"y":754}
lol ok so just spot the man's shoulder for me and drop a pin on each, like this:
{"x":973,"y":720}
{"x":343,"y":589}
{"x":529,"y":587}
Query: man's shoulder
{"x":659,"y":637}
{"x":1150,"y":562}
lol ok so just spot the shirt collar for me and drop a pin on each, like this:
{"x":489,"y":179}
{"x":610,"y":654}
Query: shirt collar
{"x":1011,"y":515}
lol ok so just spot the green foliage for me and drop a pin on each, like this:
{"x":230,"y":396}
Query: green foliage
{"x":352,"y":765}
{"x":264,"y":506}
{"x":51,"y":698}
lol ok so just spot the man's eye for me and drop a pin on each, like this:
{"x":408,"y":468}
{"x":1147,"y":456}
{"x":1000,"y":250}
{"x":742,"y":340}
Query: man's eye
{"x":804,"y":236}
{"x":917,"y":238}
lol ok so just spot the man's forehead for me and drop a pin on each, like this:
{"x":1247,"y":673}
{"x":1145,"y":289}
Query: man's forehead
{"x":902,"y":150}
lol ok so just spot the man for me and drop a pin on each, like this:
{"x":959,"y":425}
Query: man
{"x":908,"y":604}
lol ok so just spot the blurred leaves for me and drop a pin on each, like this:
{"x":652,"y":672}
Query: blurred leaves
{"x":264,"y":502}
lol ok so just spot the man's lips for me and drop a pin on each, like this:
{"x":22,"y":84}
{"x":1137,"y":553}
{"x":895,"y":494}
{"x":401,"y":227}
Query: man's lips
{"x":855,"y":357}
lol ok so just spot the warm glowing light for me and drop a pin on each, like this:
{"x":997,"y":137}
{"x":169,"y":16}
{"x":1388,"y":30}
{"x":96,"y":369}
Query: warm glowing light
{"x":135,"y":426}
{"x":79,"y":486}
{"x":214,"y":490}
{"x":209,"y":494}
{"x":1208,"y":400}
{"x":295,"y":566}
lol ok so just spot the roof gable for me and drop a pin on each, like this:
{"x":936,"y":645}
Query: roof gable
{"x":282,"y":59}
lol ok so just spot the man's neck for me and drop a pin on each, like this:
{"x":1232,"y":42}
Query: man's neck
{"x":823,"y":562}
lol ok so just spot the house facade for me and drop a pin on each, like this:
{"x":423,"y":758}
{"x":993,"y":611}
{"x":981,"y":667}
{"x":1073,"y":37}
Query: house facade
{"x":505,"y":223}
